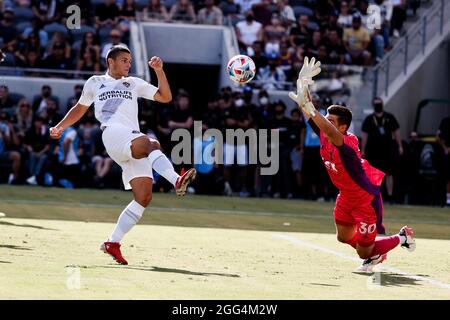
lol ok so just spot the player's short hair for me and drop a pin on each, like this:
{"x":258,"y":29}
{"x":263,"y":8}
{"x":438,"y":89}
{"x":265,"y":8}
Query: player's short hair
{"x":114,"y":52}
{"x":343,"y":113}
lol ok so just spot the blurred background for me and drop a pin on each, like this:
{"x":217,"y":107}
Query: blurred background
{"x":386,"y":60}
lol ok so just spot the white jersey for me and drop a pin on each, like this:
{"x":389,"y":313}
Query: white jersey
{"x":115,"y":100}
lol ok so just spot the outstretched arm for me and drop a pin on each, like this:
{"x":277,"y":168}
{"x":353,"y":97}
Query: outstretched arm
{"x":70,"y":118}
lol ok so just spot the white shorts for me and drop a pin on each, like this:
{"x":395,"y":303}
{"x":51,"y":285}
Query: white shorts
{"x":229,"y":152}
{"x":117,"y":140}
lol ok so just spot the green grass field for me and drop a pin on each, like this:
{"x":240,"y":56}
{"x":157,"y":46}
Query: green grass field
{"x":200,"y":247}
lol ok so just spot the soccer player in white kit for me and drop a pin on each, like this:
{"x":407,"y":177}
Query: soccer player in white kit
{"x":115,"y":99}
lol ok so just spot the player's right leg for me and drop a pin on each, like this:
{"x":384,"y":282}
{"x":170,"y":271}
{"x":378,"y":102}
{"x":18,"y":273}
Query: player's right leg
{"x":143,"y":146}
{"x":142,"y":191}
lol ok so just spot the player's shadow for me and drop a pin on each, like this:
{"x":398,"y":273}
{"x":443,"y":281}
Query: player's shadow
{"x":25,"y":226}
{"x":172,"y":270}
{"x":10,"y":246}
{"x":5,"y":262}
{"x":387,"y":279}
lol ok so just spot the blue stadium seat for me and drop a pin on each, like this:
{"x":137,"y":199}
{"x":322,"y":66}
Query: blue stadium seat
{"x":22,"y":15}
{"x":55,"y":27}
{"x":78,"y":34}
{"x":300,"y":10}
{"x":21,"y":26}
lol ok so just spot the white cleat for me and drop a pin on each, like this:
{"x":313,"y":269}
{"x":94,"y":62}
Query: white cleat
{"x":368,"y":264}
{"x":410,"y":243}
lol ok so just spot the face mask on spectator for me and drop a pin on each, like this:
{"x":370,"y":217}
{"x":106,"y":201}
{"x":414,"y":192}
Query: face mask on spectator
{"x":239,"y":103}
{"x":264,"y":100}
{"x":378,"y":107}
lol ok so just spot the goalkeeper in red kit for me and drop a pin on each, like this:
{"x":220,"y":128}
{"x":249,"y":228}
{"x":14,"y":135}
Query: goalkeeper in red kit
{"x":358,"y":213}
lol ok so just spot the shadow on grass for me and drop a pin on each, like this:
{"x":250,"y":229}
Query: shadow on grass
{"x":5,"y":262}
{"x":25,"y":226}
{"x":324,"y":285}
{"x":10,"y":246}
{"x":385,"y":279}
{"x":159,"y":269}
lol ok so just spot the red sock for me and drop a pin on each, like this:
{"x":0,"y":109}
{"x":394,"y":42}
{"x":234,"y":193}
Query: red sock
{"x":385,"y":244}
{"x":353,"y":241}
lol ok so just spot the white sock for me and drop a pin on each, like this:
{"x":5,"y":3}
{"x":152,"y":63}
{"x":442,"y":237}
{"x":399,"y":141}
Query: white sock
{"x":163,"y":166}
{"x":127,"y":219}
{"x":402,"y":239}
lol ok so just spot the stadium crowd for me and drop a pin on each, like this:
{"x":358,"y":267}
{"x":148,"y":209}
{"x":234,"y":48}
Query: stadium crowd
{"x":278,"y":34}
{"x":78,"y":159}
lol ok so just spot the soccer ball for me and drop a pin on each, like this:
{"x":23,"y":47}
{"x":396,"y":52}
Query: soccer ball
{"x":241,"y":69}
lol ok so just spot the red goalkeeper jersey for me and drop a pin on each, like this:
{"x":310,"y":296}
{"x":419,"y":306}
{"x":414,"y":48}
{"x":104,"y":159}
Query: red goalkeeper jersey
{"x":351,"y":174}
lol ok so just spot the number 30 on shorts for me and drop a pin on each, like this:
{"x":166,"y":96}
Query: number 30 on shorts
{"x":364,"y":228}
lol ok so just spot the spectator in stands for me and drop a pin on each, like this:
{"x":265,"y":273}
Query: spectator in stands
{"x":78,"y":89}
{"x":210,"y":14}
{"x":115,"y":39}
{"x":333,"y":24}
{"x":47,"y":11}
{"x":258,"y":55}
{"x":8,"y":33}
{"x":248,"y":31}
{"x":334,"y":47}
{"x":68,"y":171}
{"x":6,"y":103}
{"x":155,"y":11}
{"x":107,"y":15}
{"x":286,"y":60}
{"x":51,"y":113}
{"x":398,"y":16}
{"x":300,"y":34}
{"x":272,"y":77}
{"x":127,"y":13}
{"x":7,"y":143}
{"x":23,"y":117}
{"x":345,"y":17}
{"x":40,"y":101}
{"x":57,"y":60}
{"x":262,"y":12}
{"x":356,"y":40}
{"x":33,"y":61}
{"x":181,"y":115}
{"x":287,"y":15}
{"x":183,"y":10}
{"x":36,"y":28}
{"x":296,"y":141}
{"x":32,"y":43}
{"x":230,"y":9}
{"x":273,"y":34}
{"x":37,"y":144}
{"x":386,"y":9}
{"x":381,"y":143}
{"x":59,"y":39}
{"x":211,"y":116}
{"x":281,"y":181}
{"x":246,"y":5}
{"x":443,"y":137}
{"x":90,"y":41}
{"x":313,"y":44}
{"x":88,"y":63}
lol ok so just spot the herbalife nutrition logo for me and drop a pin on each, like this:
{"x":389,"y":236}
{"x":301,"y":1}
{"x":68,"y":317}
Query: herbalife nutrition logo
{"x":257,"y":146}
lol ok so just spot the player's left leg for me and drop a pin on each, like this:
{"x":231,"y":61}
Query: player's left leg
{"x":142,"y":191}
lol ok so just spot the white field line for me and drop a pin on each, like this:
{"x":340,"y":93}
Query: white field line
{"x":191,"y":210}
{"x":302,"y":243}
